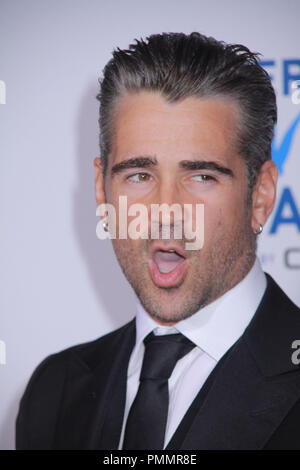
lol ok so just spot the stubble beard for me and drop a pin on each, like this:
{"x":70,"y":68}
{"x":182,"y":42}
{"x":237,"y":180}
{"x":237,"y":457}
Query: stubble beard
{"x":210,"y":274}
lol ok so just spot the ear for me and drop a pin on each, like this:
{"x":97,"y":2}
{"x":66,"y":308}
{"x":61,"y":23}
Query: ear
{"x":264,"y":194}
{"x":99,"y":182}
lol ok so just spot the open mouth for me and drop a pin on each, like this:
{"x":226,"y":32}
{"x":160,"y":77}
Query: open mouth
{"x":167,"y":265}
{"x":167,"y":261}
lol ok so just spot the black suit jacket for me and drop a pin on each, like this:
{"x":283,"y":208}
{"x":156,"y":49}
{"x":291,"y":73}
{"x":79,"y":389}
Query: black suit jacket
{"x":75,"y":398}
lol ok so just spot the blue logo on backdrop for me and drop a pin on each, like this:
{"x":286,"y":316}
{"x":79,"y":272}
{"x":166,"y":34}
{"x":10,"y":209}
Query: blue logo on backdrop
{"x":287,"y":211}
{"x":280,"y":153}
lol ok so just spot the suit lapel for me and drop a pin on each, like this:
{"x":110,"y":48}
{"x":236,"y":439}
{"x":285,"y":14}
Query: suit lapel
{"x":253,"y":386}
{"x":95,"y":392}
{"x":243,"y":408}
{"x":113,"y":413}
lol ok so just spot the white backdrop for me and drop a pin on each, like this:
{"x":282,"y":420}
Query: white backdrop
{"x":60,"y":285}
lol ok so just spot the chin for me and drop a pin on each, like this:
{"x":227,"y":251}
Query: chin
{"x":167,"y":308}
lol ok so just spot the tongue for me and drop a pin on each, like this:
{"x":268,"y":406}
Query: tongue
{"x":166,"y":262}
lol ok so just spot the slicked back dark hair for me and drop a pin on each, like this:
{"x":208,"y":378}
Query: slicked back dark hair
{"x":180,"y":66}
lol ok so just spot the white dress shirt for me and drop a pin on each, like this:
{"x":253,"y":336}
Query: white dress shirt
{"x":213,"y":329}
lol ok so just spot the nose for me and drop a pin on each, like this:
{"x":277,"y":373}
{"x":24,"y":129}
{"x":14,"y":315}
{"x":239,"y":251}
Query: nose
{"x":167,"y":206}
{"x":168,"y":192}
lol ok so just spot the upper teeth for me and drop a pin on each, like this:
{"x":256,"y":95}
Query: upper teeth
{"x":171,"y":251}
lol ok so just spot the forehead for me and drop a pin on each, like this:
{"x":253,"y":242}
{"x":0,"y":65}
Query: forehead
{"x":145,"y":123}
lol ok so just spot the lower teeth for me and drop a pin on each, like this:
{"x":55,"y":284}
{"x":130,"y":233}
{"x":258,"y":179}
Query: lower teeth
{"x":165,"y":271}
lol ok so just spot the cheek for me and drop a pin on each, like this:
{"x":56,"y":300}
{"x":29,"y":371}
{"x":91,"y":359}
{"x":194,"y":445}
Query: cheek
{"x":222,"y":219}
{"x":125,"y":252}
{"x":213,"y":217}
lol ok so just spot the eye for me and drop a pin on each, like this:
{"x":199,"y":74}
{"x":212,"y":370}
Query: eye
{"x":203,"y":178}
{"x":139,"y":177}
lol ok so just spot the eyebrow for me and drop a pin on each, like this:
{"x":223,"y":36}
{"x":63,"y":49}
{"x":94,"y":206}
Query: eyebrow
{"x":146,"y":162}
{"x":206,"y":165}
{"x":136,"y":162}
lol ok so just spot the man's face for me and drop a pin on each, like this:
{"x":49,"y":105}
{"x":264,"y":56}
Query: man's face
{"x":166,"y":140}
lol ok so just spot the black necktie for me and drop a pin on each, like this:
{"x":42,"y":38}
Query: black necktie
{"x":147,"y":418}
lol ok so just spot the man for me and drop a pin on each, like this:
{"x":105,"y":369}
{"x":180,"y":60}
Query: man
{"x":207,"y":361}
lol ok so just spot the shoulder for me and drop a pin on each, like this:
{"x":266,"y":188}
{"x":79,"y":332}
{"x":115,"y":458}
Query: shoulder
{"x":90,"y":351}
{"x":272,"y":331}
{"x":46,"y":384}
{"x":276,"y":296}
{"x":55,"y":363}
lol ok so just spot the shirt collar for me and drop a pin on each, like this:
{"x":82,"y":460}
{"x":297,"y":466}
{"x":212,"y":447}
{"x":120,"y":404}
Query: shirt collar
{"x":214,"y":328}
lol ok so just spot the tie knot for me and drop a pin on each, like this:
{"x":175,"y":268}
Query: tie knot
{"x":162,"y":353}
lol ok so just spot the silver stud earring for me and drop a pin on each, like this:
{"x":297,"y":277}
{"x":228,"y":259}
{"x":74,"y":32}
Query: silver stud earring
{"x":105,"y":226}
{"x":258,"y":230}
